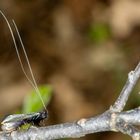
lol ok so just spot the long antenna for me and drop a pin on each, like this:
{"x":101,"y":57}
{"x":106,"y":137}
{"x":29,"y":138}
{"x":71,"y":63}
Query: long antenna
{"x":33,"y":81}
{"x":28,"y":63}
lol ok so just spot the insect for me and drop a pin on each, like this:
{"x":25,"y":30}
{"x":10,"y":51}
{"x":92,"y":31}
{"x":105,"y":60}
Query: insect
{"x":15,"y":121}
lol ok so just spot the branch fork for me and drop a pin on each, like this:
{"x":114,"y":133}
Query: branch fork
{"x":114,"y":119}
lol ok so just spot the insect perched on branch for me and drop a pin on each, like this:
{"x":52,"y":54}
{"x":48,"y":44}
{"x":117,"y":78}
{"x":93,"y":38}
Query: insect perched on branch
{"x":15,"y":121}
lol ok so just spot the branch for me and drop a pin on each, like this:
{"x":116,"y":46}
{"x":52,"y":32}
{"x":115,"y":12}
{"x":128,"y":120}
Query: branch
{"x":133,"y":77}
{"x":106,"y":122}
{"x":67,"y":130}
{"x":111,"y":120}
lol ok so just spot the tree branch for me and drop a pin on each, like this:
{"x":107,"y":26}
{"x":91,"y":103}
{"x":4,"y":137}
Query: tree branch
{"x":111,"y":120}
{"x":108,"y":121}
{"x":133,"y":77}
{"x":66,"y":130}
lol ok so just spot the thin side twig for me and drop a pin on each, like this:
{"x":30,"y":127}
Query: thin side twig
{"x":133,"y":77}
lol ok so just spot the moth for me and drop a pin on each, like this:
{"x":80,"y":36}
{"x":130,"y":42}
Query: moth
{"x":15,"y":121}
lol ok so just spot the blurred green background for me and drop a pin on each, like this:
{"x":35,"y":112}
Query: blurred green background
{"x":81,"y":52}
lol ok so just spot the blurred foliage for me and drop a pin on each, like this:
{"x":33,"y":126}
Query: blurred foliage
{"x":99,"y":32}
{"x":33,"y":102}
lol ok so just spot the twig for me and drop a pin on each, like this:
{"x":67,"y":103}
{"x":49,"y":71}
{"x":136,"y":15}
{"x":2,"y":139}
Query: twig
{"x":118,"y":121}
{"x":66,"y":130}
{"x":133,"y":77}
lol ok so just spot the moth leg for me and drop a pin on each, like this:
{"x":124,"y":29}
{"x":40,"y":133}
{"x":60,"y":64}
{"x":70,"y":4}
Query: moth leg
{"x":8,"y":133}
{"x":42,"y":123}
{"x":37,"y":124}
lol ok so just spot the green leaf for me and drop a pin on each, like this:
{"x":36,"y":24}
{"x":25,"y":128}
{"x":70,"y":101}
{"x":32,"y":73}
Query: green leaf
{"x":33,"y":102}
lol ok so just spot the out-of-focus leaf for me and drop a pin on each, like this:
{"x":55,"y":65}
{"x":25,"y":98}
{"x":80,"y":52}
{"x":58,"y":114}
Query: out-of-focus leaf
{"x":33,"y":102}
{"x":99,"y":33}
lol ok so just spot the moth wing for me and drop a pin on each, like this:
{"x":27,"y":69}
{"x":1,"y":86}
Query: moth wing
{"x":18,"y":117}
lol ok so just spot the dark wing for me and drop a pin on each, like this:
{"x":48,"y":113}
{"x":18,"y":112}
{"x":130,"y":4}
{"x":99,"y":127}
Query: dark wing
{"x":18,"y":117}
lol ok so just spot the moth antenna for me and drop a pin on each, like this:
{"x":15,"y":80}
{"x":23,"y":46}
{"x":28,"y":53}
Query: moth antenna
{"x":33,"y":83}
{"x":15,"y":45}
{"x":29,"y":65}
